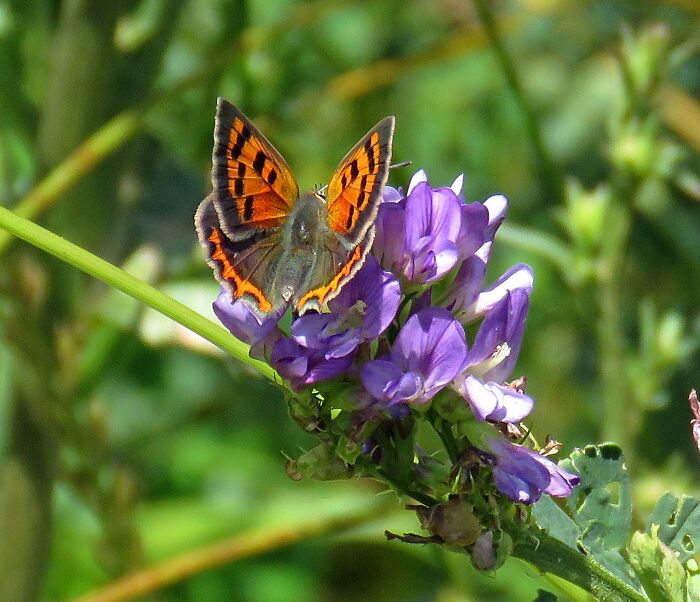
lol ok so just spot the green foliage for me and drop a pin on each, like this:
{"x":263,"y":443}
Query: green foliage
{"x":677,"y":520}
{"x":601,"y":505}
{"x":600,"y":508}
{"x":661,"y":573}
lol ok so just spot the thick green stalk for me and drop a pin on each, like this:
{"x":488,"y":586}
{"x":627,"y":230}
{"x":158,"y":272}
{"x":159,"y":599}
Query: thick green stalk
{"x":26,"y":479}
{"x":552,"y":556}
{"x":618,"y":411}
{"x":121,"y":280}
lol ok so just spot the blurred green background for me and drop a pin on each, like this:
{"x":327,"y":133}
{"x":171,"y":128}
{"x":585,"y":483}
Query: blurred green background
{"x":126,"y":441}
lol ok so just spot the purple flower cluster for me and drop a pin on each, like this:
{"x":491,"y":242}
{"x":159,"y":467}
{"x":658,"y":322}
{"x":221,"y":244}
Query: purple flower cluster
{"x":403,"y":338}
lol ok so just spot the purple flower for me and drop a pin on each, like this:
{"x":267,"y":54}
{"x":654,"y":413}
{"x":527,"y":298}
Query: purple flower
{"x":245,"y":324}
{"x":429,"y":351}
{"x":491,"y":360}
{"x":524,"y":475}
{"x":497,"y":342}
{"x":363,"y":309}
{"x":473,"y":230}
{"x":496,"y":206}
{"x":492,"y":401}
{"x":695,"y":422}
{"x":465,"y":298}
{"x":301,"y":367}
{"x":417,"y":236}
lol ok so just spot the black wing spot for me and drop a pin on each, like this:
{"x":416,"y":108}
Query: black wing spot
{"x":259,"y":163}
{"x":370,"y":155}
{"x":348,"y":222}
{"x":248,"y":209}
{"x":272,"y":176}
{"x":238,"y":187}
{"x":353,"y":171}
{"x":362,"y":198}
{"x":241,"y":139}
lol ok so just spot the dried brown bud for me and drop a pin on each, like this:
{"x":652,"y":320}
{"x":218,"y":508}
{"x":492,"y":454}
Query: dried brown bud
{"x":453,"y":521}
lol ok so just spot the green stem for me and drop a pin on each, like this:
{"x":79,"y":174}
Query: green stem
{"x":444,"y":431}
{"x":125,"y":282}
{"x":550,"y":179}
{"x":618,"y":412}
{"x":552,"y":556}
{"x":82,"y":160}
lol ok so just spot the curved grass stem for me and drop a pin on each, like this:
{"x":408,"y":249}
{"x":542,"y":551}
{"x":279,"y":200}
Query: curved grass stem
{"x":132,"y":286}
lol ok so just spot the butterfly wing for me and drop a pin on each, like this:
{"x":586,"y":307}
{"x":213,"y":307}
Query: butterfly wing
{"x":253,"y":185}
{"x":354,"y":192}
{"x":342,"y":263}
{"x":245,"y":266}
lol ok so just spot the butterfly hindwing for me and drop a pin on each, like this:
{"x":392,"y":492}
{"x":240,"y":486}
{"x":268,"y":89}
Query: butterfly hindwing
{"x":241,"y":266}
{"x":342,"y":263}
{"x":253,"y":185}
{"x":354,"y":192}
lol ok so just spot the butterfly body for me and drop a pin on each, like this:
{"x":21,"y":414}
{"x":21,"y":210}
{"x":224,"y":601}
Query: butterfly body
{"x":271,"y":247}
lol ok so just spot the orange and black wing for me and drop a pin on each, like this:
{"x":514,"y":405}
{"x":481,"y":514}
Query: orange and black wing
{"x":241,"y":266}
{"x":354,"y":192}
{"x":337,"y":260}
{"x":253,"y":185}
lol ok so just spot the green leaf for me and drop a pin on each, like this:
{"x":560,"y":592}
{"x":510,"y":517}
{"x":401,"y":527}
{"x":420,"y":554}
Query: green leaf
{"x":544,"y":596}
{"x":321,"y":464}
{"x":693,"y":585}
{"x":657,"y":566}
{"x":679,"y":523}
{"x":601,"y":505}
{"x":555,"y":521}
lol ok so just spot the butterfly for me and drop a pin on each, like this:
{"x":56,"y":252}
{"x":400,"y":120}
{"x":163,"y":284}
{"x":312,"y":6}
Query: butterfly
{"x":270,"y":247}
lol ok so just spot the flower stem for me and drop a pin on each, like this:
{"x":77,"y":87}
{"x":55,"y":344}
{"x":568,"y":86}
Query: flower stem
{"x":550,"y":179}
{"x":125,"y":282}
{"x":552,"y":556}
{"x":618,"y":413}
{"x":444,"y":431}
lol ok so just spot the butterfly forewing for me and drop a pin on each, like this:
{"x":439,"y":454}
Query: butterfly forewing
{"x":354,"y":192}
{"x":253,"y":185}
{"x":240,"y":266}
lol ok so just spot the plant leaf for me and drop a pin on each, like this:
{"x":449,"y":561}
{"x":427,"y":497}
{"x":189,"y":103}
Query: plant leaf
{"x":661,"y":573}
{"x":555,"y":521}
{"x":601,"y":505}
{"x":679,"y":524}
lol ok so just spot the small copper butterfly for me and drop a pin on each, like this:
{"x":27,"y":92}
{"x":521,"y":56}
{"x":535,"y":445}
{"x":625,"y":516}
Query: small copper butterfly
{"x":271,"y":247}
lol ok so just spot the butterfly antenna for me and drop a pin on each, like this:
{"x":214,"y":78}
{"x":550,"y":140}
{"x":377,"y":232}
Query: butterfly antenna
{"x":402,"y":164}
{"x":321,"y":189}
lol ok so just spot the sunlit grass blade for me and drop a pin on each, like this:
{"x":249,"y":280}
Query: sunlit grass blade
{"x":125,"y":282}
